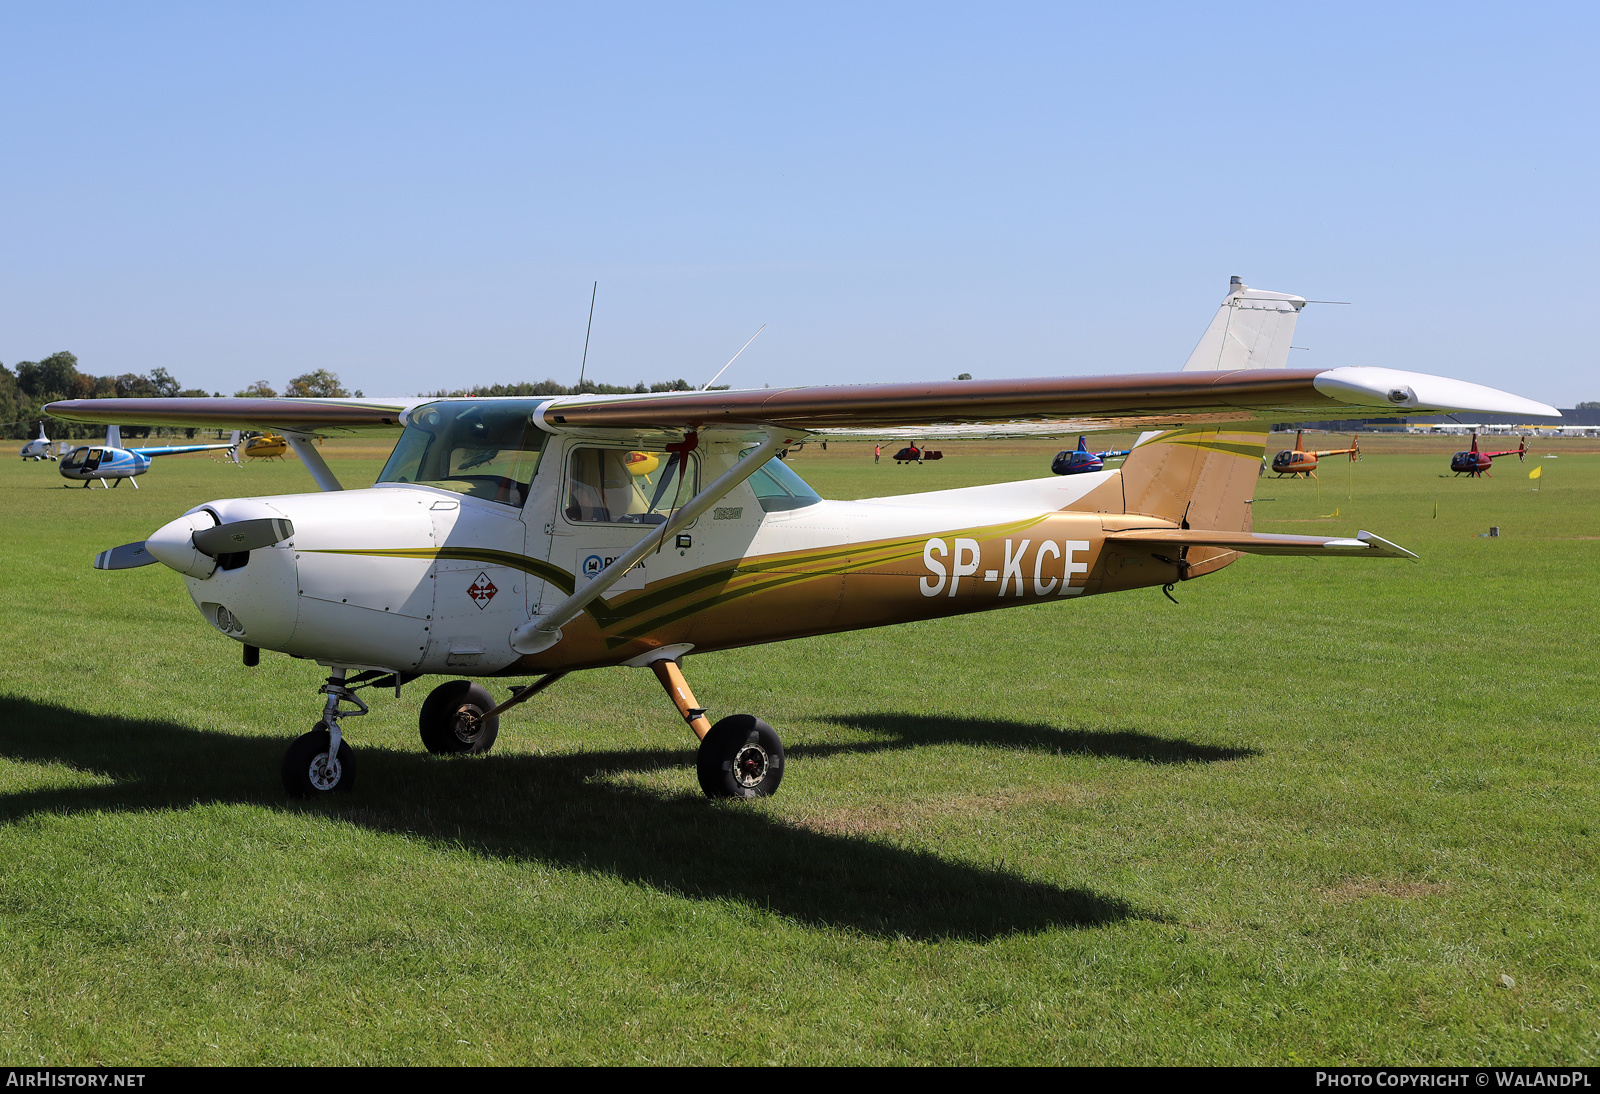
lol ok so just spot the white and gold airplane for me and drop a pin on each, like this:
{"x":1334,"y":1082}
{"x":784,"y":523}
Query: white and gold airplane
{"x":532,"y":537}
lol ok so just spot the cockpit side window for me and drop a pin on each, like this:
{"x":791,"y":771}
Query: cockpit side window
{"x":486,"y":449}
{"x":621,"y":486}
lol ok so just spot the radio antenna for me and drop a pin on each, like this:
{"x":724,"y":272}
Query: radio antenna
{"x":586,"y":331}
{"x":732,"y":359}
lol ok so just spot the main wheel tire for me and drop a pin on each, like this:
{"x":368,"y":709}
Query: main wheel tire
{"x":741,"y":757}
{"x":307,"y":772}
{"x":452,"y":719}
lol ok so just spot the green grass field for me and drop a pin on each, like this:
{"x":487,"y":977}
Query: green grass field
{"x":1321,"y":811}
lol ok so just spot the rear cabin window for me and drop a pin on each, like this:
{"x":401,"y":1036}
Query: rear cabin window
{"x":626,"y":486}
{"x":778,"y":488}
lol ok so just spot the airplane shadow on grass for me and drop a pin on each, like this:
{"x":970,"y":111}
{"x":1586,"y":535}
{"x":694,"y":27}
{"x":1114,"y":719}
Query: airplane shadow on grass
{"x":571,"y":811}
{"x":908,"y":730}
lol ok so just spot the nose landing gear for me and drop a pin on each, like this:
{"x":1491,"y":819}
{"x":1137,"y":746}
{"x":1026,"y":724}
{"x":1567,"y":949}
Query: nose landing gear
{"x":320,"y":762}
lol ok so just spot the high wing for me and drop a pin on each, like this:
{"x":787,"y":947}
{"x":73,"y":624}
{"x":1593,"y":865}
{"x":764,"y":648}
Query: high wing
{"x":1036,"y":407}
{"x":1047,"y":407}
{"x":326,"y":416}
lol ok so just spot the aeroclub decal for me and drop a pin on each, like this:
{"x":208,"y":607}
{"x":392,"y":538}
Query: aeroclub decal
{"x":482,"y":590}
{"x":591,"y":560}
{"x":1051,"y":568}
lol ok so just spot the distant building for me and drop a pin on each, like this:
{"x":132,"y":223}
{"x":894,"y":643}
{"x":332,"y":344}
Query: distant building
{"x":1572,"y":421}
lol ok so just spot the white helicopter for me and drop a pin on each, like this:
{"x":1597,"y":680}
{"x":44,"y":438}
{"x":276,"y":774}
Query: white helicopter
{"x":534,"y":537}
{"x":111,"y":462}
{"x":38,"y":448}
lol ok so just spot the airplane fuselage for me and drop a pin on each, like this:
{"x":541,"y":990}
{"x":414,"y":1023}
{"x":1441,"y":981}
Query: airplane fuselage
{"x":424,"y":580}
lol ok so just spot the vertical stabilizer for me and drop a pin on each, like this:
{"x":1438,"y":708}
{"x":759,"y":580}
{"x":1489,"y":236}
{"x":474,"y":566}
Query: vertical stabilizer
{"x":1252,"y":329}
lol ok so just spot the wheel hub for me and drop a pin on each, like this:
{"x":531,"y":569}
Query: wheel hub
{"x":324,"y":771}
{"x":468,"y":724}
{"x":750,"y":765}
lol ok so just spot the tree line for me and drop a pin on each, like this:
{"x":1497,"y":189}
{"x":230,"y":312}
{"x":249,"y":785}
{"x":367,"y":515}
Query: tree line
{"x":25,"y":390}
{"x":550,"y":387}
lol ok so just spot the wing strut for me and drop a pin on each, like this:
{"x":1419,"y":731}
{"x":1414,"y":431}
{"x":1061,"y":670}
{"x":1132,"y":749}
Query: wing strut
{"x":315,"y":464}
{"x":542,"y":632}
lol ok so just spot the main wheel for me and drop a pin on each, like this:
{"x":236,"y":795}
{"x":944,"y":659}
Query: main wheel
{"x":740,"y":758}
{"x":307,"y":770}
{"x":452,"y":719}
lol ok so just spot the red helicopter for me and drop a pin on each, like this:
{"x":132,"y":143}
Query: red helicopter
{"x":912,"y":454}
{"x":1300,"y":462}
{"x":1477,"y":463}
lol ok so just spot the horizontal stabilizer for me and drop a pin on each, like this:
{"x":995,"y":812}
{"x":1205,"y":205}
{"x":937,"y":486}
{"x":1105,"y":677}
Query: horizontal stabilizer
{"x":126,"y":557}
{"x":1365,"y":544}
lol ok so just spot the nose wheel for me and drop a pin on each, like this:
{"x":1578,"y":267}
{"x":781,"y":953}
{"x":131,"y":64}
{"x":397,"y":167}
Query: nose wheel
{"x":312,"y":768}
{"x":741,"y":757}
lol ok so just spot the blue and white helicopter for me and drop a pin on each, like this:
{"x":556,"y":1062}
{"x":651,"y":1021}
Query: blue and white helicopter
{"x":111,"y":461}
{"x":1080,"y":460}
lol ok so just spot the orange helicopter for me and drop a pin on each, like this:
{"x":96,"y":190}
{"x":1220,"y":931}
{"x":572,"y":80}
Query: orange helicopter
{"x":1300,"y":462}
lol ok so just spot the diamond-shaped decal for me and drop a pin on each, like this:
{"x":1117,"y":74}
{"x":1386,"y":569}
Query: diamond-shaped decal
{"x":482,"y":590}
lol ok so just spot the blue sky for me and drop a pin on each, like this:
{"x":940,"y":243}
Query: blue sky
{"x":421,"y":196}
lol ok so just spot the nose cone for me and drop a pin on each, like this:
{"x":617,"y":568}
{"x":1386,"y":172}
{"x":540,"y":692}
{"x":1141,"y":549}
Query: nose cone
{"x":173,"y":545}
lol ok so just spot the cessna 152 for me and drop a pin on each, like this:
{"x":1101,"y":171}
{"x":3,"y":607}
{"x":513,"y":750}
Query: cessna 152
{"x":1298,"y":461}
{"x":519,"y":537}
{"x":1476,"y":463}
{"x":112,"y":461}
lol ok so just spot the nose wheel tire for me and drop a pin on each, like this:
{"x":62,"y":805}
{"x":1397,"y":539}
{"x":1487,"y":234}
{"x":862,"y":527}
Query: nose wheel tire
{"x":741,"y":757}
{"x":308,"y":771}
{"x":452,"y":719}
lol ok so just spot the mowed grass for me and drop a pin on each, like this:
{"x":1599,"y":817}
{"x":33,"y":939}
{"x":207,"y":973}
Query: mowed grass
{"x":1319,"y":811}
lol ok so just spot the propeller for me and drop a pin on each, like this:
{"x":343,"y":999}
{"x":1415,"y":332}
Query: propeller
{"x":242,"y":535}
{"x":126,"y":557}
{"x":177,"y":545}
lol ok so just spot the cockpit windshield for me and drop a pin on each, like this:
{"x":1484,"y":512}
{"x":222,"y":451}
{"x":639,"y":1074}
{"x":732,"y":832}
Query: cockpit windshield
{"x":485,"y":448}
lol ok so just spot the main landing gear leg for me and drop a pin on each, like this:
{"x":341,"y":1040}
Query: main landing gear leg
{"x":740,"y":757}
{"x":320,"y":762}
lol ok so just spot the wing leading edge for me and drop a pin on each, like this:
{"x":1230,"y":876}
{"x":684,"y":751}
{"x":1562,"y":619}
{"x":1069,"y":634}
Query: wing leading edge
{"x":1045,"y":406}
